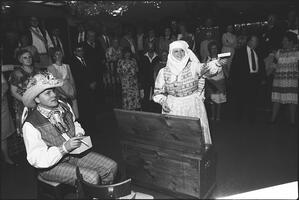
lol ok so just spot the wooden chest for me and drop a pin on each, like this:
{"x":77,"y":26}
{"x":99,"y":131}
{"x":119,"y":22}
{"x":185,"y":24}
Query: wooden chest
{"x":166,"y":153}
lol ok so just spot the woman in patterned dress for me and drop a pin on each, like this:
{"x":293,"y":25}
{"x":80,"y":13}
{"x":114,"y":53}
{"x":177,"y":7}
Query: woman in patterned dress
{"x":18,"y":80}
{"x":285,"y":82}
{"x":111,"y":79}
{"x":179,"y":86}
{"x":127,"y":70}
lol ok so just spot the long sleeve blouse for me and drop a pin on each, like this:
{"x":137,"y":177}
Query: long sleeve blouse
{"x":198,"y":70}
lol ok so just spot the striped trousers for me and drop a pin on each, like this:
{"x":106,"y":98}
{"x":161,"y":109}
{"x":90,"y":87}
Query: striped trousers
{"x":92,"y":166}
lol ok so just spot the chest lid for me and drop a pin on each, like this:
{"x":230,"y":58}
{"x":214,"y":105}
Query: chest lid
{"x":160,"y":130}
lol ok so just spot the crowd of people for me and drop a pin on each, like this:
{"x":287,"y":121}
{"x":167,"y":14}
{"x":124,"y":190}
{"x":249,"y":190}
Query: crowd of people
{"x":177,"y":72}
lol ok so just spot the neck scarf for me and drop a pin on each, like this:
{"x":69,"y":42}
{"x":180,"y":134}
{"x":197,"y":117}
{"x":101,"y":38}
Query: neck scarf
{"x":56,"y":117}
{"x":176,"y":66}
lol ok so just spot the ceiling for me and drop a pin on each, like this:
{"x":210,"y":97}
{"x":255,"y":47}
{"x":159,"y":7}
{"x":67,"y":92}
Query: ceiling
{"x":225,"y":10}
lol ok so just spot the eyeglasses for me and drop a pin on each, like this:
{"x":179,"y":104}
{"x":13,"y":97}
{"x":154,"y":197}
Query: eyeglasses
{"x":27,"y":57}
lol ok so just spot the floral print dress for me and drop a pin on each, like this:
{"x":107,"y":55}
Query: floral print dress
{"x":19,"y":78}
{"x":127,"y":70}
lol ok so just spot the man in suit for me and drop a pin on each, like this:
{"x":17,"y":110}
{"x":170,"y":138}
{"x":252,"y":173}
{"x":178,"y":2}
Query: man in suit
{"x":85,"y":86}
{"x":148,"y":62}
{"x":95,"y":59}
{"x":247,"y":74}
{"x":40,"y":38}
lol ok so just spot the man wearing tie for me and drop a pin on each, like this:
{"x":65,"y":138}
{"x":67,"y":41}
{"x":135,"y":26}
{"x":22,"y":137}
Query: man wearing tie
{"x":95,"y":58}
{"x":84,"y":82}
{"x":247,"y":73}
{"x":42,"y":41}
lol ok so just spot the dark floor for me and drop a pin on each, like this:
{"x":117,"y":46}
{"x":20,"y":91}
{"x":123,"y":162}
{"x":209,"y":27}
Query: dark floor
{"x":250,"y":156}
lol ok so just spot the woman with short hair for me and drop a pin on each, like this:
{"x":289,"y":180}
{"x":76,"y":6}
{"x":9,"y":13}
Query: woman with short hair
{"x":18,"y":80}
{"x":285,"y":82}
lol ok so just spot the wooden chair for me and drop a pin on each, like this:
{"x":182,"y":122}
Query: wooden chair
{"x":48,"y":189}
{"x":92,"y":191}
{"x":53,"y":190}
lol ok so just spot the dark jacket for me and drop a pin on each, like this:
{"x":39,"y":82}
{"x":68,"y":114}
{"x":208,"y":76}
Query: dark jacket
{"x":94,"y":58}
{"x":240,"y":76}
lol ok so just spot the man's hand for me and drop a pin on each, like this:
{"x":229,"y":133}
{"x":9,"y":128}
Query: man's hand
{"x":80,"y":134}
{"x":73,"y":143}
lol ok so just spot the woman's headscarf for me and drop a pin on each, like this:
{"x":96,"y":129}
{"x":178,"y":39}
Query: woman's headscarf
{"x":176,"y":66}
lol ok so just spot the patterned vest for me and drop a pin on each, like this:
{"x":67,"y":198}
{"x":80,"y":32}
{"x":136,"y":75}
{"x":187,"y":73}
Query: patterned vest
{"x":49,"y":134}
{"x":185,"y":87}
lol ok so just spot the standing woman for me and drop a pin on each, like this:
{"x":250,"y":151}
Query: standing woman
{"x":229,"y":43}
{"x":179,"y":88}
{"x":285,"y":82}
{"x":111,"y":79}
{"x":127,"y":70}
{"x":62,"y":71}
{"x":7,"y":125}
{"x":18,"y":80}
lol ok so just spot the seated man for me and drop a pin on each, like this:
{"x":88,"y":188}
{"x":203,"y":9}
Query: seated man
{"x":50,"y":132}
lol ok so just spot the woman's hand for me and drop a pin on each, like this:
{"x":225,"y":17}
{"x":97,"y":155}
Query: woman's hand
{"x":222,"y":62}
{"x":165,"y":107}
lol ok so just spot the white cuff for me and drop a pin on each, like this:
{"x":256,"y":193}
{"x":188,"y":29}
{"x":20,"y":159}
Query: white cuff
{"x":64,"y":149}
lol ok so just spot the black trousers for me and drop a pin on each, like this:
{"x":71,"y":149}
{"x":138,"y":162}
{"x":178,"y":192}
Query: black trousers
{"x":87,"y":112}
{"x":245,"y":99}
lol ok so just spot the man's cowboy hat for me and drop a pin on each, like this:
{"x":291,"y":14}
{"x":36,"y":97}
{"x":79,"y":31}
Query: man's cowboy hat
{"x":37,"y":84}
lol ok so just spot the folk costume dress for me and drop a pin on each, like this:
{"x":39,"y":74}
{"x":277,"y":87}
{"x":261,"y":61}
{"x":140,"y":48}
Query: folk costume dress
{"x":181,"y":86}
{"x":285,"y":82}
